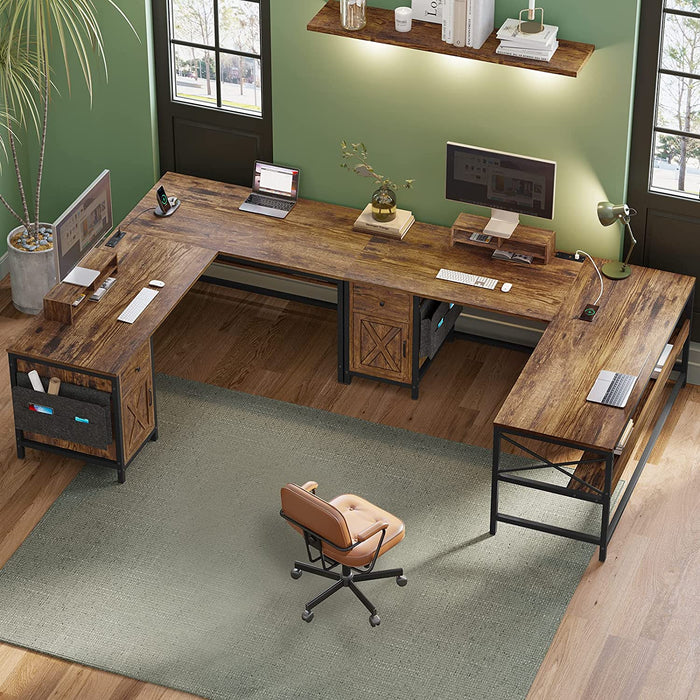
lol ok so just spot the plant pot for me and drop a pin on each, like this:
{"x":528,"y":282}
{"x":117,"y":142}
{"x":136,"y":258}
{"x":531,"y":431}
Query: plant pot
{"x":384,"y":204}
{"x":32,"y":274}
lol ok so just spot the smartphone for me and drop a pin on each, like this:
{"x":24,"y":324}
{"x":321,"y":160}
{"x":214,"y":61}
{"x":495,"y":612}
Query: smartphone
{"x":163,"y":201}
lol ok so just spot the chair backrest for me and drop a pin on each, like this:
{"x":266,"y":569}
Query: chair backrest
{"x":315,"y":514}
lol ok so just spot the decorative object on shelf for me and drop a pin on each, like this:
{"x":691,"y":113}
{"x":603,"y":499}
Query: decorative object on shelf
{"x":531,"y":25}
{"x":384,"y":198}
{"x":31,"y":38}
{"x":608,"y":214}
{"x":516,"y":42}
{"x":402,"y":19}
{"x":352,"y":14}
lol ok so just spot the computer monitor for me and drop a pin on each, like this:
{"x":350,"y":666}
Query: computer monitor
{"x":510,"y":184}
{"x":80,"y":228}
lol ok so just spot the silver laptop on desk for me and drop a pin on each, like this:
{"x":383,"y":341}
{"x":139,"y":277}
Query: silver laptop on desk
{"x":612,"y":388}
{"x":275,"y":190}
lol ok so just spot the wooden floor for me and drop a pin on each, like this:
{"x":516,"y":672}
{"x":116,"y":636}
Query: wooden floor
{"x":632,"y":629}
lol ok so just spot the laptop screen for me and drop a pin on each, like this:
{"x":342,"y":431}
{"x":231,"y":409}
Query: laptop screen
{"x":275,"y":180}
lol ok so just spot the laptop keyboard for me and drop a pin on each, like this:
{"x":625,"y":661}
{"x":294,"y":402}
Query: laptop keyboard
{"x":263,"y":201}
{"x":619,"y":389}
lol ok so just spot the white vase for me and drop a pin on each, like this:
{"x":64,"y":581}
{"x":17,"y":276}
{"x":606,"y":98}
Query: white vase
{"x":32,"y":274}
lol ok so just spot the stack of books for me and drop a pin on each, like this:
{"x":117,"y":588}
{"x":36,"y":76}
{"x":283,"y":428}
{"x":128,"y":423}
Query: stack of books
{"x":464,"y":22}
{"x":661,"y":361}
{"x":624,"y":437}
{"x":391,"y":229}
{"x":540,"y":46}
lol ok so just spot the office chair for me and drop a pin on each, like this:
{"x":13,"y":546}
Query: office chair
{"x":347,"y":531}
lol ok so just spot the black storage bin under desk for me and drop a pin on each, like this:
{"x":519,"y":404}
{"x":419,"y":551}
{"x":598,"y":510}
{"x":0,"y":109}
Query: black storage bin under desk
{"x":437,"y":320}
{"x":91,"y":406}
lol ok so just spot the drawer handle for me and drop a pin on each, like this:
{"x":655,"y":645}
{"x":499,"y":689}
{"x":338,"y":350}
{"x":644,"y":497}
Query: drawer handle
{"x":381,"y":303}
{"x":404,"y":347}
{"x":137,"y":369}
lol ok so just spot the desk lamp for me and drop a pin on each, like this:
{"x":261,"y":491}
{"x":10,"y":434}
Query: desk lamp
{"x":609,"y":213}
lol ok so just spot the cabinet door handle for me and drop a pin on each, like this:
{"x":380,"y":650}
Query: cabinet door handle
{"x":138,"y":369}
{"x":150,"y":396}
{"x":381,"y":303}
{"x":405,"y":342}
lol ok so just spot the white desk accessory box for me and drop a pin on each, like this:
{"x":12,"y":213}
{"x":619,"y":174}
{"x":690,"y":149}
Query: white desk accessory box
{"x":427,"y":10}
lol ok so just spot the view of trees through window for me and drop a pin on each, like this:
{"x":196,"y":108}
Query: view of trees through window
{"x":215,"y":53}
{"x":676,"y":162}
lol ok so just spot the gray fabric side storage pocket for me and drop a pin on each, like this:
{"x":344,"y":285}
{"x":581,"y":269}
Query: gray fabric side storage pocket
{"x":78,"y":414}
{"x":437,"y":320}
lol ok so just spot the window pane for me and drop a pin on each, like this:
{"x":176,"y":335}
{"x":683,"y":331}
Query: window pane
{"x":240,"y":83}
{"x":676,"y":164}
{"x":687,"y":5}
{"x":194,"y":72}
{"x":193,"y":21}
{"x":681,"y":44}
{"x":239,"y":26}
{"x":678,"y":103}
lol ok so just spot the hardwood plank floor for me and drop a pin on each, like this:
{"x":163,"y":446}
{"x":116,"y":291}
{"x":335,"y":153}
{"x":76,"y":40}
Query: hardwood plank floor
{"x":633,"y":626}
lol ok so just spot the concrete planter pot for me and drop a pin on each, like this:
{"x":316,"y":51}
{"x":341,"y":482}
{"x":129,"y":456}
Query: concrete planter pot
{"x":32,"y":274}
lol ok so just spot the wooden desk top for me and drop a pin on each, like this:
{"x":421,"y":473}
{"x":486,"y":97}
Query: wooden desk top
{"x":636,"y":318}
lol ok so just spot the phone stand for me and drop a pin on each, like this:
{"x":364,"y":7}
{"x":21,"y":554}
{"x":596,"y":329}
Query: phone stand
{"x":174,"y":204}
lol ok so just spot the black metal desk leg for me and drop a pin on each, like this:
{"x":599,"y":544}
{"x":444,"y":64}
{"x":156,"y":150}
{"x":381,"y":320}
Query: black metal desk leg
{"x":494,"y":479}
{"x":343,"y":332}
{"x":605,"y":518}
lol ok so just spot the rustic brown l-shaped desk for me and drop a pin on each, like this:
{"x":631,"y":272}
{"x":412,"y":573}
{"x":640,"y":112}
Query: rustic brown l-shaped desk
{"x":380,"y":283}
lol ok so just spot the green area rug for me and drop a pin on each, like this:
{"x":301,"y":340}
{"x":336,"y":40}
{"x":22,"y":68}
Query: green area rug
{"x":180,"y":576}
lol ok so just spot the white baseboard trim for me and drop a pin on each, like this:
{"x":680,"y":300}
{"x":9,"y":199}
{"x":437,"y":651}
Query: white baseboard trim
{"x":4,"y":265}
{"x":472,"y":321}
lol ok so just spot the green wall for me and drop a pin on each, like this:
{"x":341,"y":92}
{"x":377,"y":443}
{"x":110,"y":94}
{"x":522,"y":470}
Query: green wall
{"x":116,"y":133}
{"x":404,"y":105}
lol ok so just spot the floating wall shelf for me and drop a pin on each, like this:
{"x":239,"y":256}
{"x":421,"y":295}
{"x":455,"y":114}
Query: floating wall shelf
{"x":425,"y":36}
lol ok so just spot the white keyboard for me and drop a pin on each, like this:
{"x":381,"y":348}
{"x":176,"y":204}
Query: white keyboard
{"x":466,"y":278}
{"x":137,"y":305}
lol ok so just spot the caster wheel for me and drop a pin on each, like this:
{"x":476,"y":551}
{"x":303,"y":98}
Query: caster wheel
{"x":401,"y":580}
{"x":295,"y":573}
{"x":374,"y":620}
{"x":307,"y":616}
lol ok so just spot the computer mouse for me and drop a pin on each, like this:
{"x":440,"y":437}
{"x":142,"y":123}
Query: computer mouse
{"x":156,"y":283}
{"x":507,"y":286}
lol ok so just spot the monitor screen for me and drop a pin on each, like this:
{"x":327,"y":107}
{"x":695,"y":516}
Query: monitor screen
{"x":275,"y":179}
{"x":82,"y":225}
{"x":500,"y":180}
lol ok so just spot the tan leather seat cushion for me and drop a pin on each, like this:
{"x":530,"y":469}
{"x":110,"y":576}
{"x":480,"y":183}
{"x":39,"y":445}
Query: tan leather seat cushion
{"x":359,"y":515}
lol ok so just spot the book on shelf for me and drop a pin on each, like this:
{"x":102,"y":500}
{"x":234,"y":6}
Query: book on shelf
{"x":510,"y":31}
{"x":534,"y":54}
{"x":480,"y":22}
{"x":500,"y":254}
{"x":459,"y":22}
{"x":624,"y":437}
{"x":448,"y":7}
{"x":391,"y":229}
{"x":427,"y":10}
{"x":662,"y":361}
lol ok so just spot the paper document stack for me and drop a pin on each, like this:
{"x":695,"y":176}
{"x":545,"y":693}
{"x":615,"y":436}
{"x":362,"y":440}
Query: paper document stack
{"x":662,"y":361}
{"x":391,"y":229}
{"x":540,"y":46}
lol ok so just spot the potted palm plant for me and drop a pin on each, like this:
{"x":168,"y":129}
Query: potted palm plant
{"x":32,"y":34}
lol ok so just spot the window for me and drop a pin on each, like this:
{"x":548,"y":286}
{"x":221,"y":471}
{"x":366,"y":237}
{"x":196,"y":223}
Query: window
{"x":215,"y":56}
{"x":676,"y":148}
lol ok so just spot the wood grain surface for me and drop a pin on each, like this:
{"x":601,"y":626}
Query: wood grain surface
{"x":636,"y":318}
{"x":568,"y":59}
{"x":633,"y":622}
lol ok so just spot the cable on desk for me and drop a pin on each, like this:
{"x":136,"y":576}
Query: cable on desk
{"x":133,"y":218}
{"x":600,"y":277}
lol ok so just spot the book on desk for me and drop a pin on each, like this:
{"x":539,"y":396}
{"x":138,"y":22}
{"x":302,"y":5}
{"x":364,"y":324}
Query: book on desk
{"x":396,"y":228}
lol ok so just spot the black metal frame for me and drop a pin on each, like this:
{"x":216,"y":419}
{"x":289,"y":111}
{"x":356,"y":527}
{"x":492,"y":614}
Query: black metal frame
{"x":608,"y":522}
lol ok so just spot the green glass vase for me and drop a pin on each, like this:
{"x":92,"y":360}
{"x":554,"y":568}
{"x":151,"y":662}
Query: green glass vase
{"x":384,"y":204}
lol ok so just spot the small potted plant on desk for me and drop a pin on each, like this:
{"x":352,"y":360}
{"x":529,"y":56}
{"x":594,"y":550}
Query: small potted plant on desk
{"x":27,"y":29}
{"x":384,"y":197}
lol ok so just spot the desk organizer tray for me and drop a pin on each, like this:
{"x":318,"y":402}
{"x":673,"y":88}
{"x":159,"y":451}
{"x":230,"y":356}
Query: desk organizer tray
{"x":437,"y":320}
{"x":78,"y":414}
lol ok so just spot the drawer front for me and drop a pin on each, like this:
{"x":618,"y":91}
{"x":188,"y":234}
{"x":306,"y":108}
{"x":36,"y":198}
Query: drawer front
{"x":380,"y":302}
{"x":137,"y":369}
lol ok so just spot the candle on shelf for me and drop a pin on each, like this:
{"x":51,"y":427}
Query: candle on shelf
{"x":402,"y":19}
{"x":531,"y":9}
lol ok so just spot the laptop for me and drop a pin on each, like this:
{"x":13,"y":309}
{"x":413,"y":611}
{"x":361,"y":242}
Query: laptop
{"x":275,"y":190}
{"x":612,"y":388}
